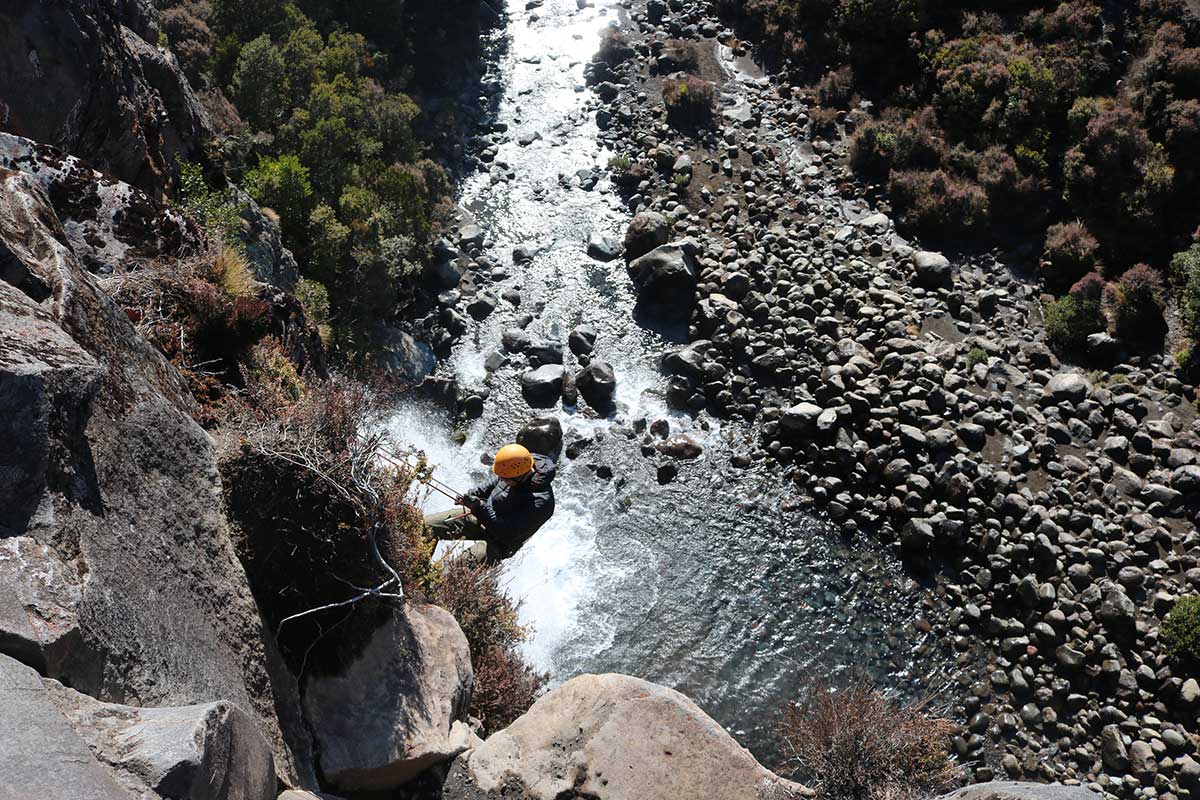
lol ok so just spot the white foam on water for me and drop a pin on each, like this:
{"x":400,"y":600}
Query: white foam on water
{"x":424,"y":429}
{"x":552,"y":576}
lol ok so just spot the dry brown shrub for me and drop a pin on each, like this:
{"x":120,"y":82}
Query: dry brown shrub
{"x":310,"y":498}
{"x":505,"y":685}
{"x":857,"y":744}
{"x":691,"y":100}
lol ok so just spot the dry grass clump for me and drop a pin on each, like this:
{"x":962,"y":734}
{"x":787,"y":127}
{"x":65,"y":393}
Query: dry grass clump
{"x":857,"y":744}
{"x":230,"y":270}
{"x":505,"y":685}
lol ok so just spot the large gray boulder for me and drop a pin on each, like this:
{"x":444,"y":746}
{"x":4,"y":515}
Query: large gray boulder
{"x":615,"y":737}
{"x":801,"y":418}
{"x":104,"y":463}
{"x":398,"y":708}
{"x":543,"y":385}
{"x":647,"y":230}
{"x":932,"y":270}
{"x":210,"y":751}
{"x":74,"y":76}
{"x":40,"y":755}
{"x":1013,"y":790}
{"x":1067,"y":387}
{"x":665,"y":278}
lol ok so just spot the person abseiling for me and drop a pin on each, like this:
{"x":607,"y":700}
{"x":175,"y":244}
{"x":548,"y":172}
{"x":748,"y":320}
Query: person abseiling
{"x":503,"y":511}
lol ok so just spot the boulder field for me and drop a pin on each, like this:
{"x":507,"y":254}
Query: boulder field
{"x":912,"y":395}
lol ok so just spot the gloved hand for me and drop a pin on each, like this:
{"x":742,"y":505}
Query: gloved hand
{"x":469,"y":502}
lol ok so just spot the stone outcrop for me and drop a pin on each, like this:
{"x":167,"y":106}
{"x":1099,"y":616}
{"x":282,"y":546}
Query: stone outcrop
{"x":111,"y":227}
{"x":39,"y":609}
{"x":104,"y":463}
{"x":210,"y":751}
{"x":614,"y":737}
{"x":80,"y":76}
{"x":399,"y":707}
{"x":40,"y":755}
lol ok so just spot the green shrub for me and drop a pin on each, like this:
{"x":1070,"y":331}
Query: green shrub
{"x":836,"y":88}
{"x":1179,"y":635}
{"x":281,"y":183}
{"x":1121,"y":181}
{"x":1185,"y":279}
{"x":690,"y":100}
{"x":938,"y":203}
{"x":314,"y":299}
{"x":211,"y":208}
{"x":1073,"y":318}
{"x":897,"y":142}
{"x":976,"y":355}
{"x":260,"y":83}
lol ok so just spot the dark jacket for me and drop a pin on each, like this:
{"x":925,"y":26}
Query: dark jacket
{"x":511,"y":515}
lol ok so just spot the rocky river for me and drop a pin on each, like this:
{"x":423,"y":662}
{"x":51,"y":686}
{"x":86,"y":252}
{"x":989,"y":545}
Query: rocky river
{"x":713,"y":581}
{"x":886,"y":470}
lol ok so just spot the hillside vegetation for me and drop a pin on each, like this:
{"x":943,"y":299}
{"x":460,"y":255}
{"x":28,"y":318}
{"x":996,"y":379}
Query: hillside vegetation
{"x":1075,"y":124}
{"x":317,"y":126}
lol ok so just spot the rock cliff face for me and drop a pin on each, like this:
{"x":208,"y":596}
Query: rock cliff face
{"x":105,"y":476}
{"x":87,"y":76}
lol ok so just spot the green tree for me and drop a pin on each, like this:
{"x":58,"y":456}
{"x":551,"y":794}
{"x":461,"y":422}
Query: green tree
{"x":329,"y":149}
{"x":260,"y":83}
{"x":327,"y":238}
{"x":302,"y":55}
{"x":282,"y":184}
{"x":246,"y":19}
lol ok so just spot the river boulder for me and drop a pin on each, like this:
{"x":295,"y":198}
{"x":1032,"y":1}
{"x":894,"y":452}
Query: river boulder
{"x":399,"y":707}
{"x":615,"y":737}
{"x":647,"y":230}
{"x":542,"y":386}
{"x":1067,"y":387}
{"x":665,"y":278}
{"x":582,"y":340}
{"x":932,"y":270}
{"x":212,"y":751}
{"x":681,"y":446}
{"x":597,"y":384}
{"x":801,"y":419}
{"x":543,"y":435}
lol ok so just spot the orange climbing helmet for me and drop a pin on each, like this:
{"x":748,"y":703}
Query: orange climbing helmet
{"x":513,"y":461}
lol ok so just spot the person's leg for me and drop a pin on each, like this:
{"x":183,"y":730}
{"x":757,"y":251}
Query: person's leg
{"x":455,"y":523}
